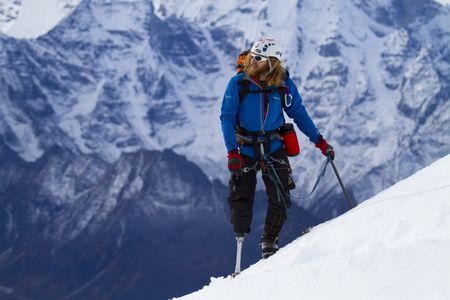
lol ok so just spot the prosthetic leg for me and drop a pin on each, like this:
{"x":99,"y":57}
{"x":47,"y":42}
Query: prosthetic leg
{"x":239,"y":243}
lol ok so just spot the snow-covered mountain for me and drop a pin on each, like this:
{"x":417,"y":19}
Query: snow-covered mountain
{"x":75,"y":227}
{"x":114,"y":113}
{"x":443,"y":2}
{"x":9,"y":11}
{"x":393,"y":246}
{"x":121,"y":76}
{"x":30,"y":18}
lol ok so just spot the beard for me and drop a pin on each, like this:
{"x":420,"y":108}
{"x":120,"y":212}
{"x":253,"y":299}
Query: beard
{"x":257,"y":71}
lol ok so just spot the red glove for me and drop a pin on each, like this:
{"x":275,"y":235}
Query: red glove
{"x":235,"y":162}
{"x":326,"y":148}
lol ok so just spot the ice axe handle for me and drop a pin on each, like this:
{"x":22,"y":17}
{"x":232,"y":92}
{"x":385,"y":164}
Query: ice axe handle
{"x":346,"y":195}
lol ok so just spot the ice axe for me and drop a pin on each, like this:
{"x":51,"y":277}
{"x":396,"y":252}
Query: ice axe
{"x":346,"y":195}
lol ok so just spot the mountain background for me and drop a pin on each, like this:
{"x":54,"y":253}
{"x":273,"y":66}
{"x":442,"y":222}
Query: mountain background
{"x":112,"y":165}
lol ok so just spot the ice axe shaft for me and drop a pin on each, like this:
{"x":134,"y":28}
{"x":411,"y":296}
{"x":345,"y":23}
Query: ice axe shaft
{"x":346,"y":195}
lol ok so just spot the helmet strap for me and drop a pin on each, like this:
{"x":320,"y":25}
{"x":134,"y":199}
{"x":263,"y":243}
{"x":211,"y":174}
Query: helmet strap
{"x":270,"y":67}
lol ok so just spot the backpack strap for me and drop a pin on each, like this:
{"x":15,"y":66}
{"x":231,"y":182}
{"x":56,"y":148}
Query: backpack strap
{"x":283,"y":91}
{"x":244,"y":90}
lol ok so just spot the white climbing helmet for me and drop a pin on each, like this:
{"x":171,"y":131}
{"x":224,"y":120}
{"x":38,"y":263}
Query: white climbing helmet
{"x":267,"y":46}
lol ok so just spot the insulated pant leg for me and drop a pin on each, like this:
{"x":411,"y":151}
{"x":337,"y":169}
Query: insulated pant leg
{"x":241,"y":198}
{"x":277,"y":204}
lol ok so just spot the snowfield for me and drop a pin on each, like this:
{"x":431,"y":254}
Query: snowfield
{"x":393,"y":246}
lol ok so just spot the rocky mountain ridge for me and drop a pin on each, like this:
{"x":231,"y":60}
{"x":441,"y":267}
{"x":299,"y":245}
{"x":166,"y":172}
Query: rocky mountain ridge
{"x":354,"y":62}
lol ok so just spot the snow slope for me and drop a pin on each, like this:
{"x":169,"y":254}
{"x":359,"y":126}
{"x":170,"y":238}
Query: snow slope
{"x":393,"y":246}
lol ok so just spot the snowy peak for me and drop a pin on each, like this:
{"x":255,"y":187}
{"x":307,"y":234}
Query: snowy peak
{"x":31,"y":19}
{"x":9,"y":10}
{"x":393,"y":246}
{"x":443,"y":2}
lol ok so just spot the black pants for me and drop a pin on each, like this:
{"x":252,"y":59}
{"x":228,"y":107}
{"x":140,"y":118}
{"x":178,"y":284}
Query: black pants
{"x":242,"y":194}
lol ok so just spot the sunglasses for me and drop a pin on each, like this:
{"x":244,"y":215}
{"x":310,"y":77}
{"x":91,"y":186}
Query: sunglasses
{"x":258,"y":58}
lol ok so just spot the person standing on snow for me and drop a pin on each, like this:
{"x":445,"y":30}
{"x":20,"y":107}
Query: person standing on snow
{"x":251,"y":119}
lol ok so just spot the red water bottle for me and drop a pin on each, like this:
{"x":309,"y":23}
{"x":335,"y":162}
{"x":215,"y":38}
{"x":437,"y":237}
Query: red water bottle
{"x":290,"y":140}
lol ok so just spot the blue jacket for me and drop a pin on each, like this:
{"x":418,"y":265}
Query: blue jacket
{"x":250,"y":114}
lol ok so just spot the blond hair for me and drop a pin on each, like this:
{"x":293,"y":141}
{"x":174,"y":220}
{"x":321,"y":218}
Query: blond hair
{"x":278,"y":75}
